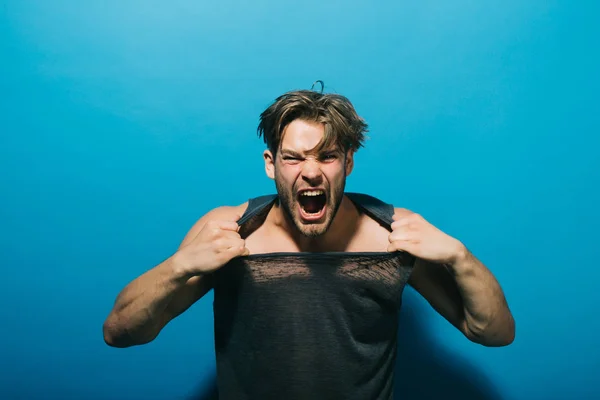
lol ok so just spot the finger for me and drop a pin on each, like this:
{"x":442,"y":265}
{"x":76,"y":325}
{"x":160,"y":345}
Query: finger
{"x":229,"y":225}
{"x":237,"y":219}
{"x":238,"y":250}
{"x":393,"y":246}
{"x":229,"y":234}
{"x":226,"y":243}
{"x":233,"y":243}
{"x":401,"y":213}
{"x":241,"y":243}
{"x":399,"y":234}
{"x":400,"y":222}
{"x":401,"y":245}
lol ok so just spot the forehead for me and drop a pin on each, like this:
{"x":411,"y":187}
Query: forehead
{"x":302,"y":136}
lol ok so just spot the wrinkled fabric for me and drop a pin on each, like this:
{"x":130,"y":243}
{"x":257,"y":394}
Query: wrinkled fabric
{"x":309,"y":325}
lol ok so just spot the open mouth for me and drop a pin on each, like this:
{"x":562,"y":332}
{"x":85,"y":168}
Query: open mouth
{"x":312,"y":203}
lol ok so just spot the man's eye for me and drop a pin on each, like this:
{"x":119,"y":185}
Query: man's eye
{"x":329,"y":157}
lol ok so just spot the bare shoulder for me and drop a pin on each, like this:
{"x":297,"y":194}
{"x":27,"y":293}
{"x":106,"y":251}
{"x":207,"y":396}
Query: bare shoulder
{"x":222,"y":213}
{"x":232,"y":213}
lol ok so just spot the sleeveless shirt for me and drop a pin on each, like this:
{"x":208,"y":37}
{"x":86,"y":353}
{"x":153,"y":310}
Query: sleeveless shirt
{"x":300,"y":325}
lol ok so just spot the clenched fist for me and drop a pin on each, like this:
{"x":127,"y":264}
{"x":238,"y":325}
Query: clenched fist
{"x":413,"y":234}
{"x":216,"y":244}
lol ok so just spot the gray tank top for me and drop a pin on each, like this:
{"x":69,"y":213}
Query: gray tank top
{"x":309,"y":325}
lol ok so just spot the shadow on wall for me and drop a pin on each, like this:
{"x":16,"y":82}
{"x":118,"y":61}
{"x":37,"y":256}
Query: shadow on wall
{"x":424,"y":370}
{"x":208,"y":391}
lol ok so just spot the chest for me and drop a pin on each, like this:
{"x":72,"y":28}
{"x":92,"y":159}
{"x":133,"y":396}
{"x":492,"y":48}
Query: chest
{"x":369,"y":236}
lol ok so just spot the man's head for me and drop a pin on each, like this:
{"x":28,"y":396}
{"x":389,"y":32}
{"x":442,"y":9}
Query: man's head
{"x":311,"y":139}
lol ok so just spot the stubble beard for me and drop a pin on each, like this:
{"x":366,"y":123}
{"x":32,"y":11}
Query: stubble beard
{"x":289,"y":204}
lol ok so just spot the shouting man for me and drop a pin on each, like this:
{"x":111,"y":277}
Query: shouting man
{"x":308,"y":281}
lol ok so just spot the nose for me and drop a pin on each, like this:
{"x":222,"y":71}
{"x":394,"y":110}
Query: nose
{"x":311,"y":171}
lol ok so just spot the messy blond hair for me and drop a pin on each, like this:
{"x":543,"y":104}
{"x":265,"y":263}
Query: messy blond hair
{"x":344,"y":128}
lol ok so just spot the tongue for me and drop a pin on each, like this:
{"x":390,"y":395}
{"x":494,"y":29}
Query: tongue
{"x":311,"y":204}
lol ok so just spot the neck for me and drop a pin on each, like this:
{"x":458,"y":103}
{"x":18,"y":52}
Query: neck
{"x":336,"y":238}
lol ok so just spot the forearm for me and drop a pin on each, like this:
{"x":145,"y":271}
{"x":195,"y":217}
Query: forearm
{"x":138,"y":312}
{"x":488,"y":320}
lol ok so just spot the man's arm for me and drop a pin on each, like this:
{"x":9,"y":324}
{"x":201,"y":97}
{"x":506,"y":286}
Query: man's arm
{"x":453,"y":281}
{"x":149,"y":302}
{"x":468,"y":296}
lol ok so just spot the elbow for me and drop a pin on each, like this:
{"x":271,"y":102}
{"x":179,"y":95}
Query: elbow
{"x":110,"y":340}
{"x":500,"y":339}
{"x":113,"y":341}
{"x":510,"y":332}
{"x":506,"y":335}
{"x":509,"y":336}
{"x":497,"y":334}
{"x":112,"y":337}
{"x":116,"y":335}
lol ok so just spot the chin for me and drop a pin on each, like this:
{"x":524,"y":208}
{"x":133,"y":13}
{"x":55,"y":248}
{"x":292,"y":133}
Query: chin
{"x":312,"y":229}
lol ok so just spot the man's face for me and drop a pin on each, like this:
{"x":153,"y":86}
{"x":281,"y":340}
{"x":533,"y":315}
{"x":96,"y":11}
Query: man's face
{"x":310,"y":186}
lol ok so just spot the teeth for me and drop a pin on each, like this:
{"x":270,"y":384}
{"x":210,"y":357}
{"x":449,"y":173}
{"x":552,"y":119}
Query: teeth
{"x":312,"y":193}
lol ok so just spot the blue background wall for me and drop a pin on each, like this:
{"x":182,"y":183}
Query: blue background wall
{"x":122,"y":122}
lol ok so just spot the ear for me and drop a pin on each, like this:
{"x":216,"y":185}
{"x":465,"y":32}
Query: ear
{"x":269,"y":164}
{"x":349,"y":162}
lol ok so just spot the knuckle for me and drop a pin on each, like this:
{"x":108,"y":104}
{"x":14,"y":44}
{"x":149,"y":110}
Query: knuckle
{"x":403,"y":212}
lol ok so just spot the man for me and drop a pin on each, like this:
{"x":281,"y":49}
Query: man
{"x":308,"y":282}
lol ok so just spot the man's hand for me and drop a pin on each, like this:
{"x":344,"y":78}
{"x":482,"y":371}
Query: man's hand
{"x":464,"y":291}
{"x":413,"y":234}
{"x":215,"y":245}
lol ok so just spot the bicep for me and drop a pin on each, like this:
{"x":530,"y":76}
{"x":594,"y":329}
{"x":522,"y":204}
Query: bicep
{"x":435,"y":283}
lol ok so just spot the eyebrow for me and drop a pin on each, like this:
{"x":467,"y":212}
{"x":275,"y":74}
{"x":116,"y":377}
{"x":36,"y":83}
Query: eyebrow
{"x":293,"y":153}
